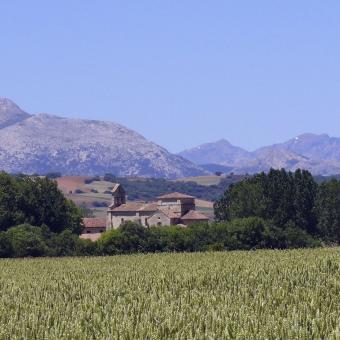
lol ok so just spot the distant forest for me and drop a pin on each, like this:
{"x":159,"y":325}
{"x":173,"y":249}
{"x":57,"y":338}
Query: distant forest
{"x":148,"y":189}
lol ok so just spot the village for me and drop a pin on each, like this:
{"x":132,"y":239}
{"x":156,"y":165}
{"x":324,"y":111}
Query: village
{"x":170,"y":209}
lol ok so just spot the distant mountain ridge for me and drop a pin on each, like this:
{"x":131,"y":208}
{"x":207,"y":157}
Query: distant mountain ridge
{"x":319,"y":154}
{"x":44,"y":143}
{"x":47,"y":143}
{"x":220,"y":152}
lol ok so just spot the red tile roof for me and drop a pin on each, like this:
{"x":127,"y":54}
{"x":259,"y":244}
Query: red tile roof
{"x":175,"y":195}
{"x":128,"y":207}
{"x":194,"y":215}
{"x":149,"y":207}
{"x":94,"y":222}
{"x":171,"y":214}
{"x":135,"y":206}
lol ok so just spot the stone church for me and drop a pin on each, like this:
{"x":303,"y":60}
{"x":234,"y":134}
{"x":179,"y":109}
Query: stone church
{"x":171,"y":209}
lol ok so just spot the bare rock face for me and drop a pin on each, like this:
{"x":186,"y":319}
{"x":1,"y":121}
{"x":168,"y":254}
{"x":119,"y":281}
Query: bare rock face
{"x":44,"y":143}
{"x":10,"y":113}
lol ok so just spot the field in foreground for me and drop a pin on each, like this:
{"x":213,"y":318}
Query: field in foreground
{"x":243,"y":295}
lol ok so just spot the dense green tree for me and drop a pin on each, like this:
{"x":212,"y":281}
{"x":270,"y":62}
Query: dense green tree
{"x":242,"y":233}
{"x":26,"y":240}
{"x":36,"y":201}
{"x":110,"y":241}
{"x":133,"y":237}
{"x":5,"y":245}
{"x":41,"y":202}
{"x":245,"y":233}
{"x":9,"y":213}
{"x":278,"y":190}
{"x":279,"y":196}
{"x":304,"y":201}
{"x":328,"y":210}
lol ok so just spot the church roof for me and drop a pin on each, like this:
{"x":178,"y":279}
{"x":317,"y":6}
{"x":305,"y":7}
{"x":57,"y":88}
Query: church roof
{"x":175,"y":195}
{"x":128,"y":207}
{"x":171,"y":214}
{"x":149,"y":207}
{"x":135,"y":207}
{"x":94,"y":222}
{"x":194,"y":215}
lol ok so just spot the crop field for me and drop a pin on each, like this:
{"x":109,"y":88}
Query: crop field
{"x":203,"y":180}
{"x":231,"y":295}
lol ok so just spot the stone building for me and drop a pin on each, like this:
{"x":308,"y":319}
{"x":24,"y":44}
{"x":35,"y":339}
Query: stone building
{"x":170,"y":209}
{"x":93,"y":227}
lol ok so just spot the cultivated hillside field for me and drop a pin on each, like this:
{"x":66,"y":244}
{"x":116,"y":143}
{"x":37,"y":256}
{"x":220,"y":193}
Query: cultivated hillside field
{"x":97,"y":194}
{"x":203,"y":180}
{"x":232,"y":295}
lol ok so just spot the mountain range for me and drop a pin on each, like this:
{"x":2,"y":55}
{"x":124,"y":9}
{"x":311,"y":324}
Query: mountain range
{"x":42,"y":143}
{"x":319,"y":154}
{"x":45,"y":143}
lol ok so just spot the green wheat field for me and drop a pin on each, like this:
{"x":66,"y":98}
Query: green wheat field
{"x":232,"y":295}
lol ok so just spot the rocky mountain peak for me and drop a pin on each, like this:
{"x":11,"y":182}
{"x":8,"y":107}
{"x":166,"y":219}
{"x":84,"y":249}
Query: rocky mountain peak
{"x":10,"y":113}
{"x":6,"y":105}
{"x":47,"y":143}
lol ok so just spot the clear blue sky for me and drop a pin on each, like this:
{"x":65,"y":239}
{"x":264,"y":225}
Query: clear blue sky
{"x":179,"y":72}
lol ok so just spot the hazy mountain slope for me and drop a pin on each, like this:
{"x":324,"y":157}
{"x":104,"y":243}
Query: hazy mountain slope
{"x":10,"y":113}
{"x":220,"y":152}
{"x":43,"y":143}
{"x":319,"y":154}
{"x":319,"y":147}
{"x":278,"y":158}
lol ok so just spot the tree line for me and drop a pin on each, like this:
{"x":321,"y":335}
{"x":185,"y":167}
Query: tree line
{"x":248,"y":233}
{"x":149,"y":188}
{"x":286,"y":200}
{"x":276,"y":210}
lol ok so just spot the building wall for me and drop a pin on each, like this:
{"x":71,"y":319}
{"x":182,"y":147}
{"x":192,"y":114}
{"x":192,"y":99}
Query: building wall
{"x":119,"y":197}
{"x":159,"y":219}
{"x":181,"y":206}
{"x":115,"y":219}
{"x":93,"y":230}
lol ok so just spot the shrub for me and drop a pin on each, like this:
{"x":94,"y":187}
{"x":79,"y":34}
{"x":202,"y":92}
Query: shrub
{"x":53,"y":175}
{"x":109,"y":177}
{"x":92,"y":179}
{"x":99,"y":204}
{"x":26,"y":240}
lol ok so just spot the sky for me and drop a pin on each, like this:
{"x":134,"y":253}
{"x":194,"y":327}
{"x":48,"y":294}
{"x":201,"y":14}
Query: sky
{"x":179,"y":72}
